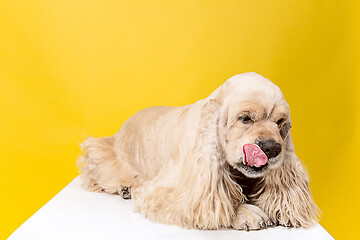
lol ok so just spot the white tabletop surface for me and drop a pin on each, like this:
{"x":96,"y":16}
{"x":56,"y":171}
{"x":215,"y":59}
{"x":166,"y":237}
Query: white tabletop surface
{"x":77,"y":214}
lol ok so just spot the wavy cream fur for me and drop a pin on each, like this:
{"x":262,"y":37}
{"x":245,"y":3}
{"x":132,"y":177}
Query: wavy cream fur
{"x":178,"y":162}
{"x":285,"y":194}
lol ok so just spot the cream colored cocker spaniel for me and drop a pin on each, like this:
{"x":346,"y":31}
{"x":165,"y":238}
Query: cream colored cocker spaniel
{"x":224,"y":161}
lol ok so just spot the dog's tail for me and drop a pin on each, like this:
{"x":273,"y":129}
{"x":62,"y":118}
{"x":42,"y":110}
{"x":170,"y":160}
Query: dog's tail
{"x":96,"y":163}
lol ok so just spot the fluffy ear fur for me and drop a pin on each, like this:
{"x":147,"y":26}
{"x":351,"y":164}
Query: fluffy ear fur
{"x":211,"y":204}
{"x":284,"y":193}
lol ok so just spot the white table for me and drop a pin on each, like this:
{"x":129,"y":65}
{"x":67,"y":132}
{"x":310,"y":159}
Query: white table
{"x":77,"y":214}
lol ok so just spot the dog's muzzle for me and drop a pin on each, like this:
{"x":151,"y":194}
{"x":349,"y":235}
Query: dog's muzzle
{"x":270,"y":148}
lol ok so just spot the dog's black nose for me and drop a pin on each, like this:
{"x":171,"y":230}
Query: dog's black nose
{"x":270,"y":147}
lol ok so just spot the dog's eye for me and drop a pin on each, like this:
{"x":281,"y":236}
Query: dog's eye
{"x":280,"y":121}
{"x":246,"y":119}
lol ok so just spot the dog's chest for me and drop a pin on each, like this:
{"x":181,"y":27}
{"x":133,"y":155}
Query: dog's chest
{"x":249,"y":186}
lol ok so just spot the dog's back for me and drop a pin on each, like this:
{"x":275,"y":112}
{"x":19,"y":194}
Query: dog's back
{"x":126,"y":159}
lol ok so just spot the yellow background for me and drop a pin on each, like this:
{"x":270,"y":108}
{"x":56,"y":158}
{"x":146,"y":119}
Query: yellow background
{"x":71,"y":69}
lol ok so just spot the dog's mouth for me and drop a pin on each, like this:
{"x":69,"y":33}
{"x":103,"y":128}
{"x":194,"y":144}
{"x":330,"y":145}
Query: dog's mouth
{"x":251,"y":171}
{"x":254,"y":161}
{"x":253,"y":155}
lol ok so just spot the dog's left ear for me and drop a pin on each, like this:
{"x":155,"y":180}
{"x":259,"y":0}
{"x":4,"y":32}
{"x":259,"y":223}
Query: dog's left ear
{"x":288,"y":188}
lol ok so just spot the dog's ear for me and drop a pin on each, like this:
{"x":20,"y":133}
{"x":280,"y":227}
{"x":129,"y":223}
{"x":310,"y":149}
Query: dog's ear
{"x":288,"y":188}
{"x":208,"y":191}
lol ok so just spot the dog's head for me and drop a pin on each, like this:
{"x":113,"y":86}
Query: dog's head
{"x":254,"y":123}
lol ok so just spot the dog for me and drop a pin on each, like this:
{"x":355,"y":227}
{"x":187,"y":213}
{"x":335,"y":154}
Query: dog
{"x":227,"y":161}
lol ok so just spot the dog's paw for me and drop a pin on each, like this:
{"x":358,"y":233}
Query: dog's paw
{"x":288,"y":222}
{"x":250,"y":217}
{"x":126,"y":192}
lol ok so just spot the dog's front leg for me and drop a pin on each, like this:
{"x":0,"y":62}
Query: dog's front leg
{"x":250,"y":217}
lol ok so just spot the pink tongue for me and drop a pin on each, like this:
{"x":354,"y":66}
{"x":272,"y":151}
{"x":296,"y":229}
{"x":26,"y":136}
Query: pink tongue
{"x":254,"y":156}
